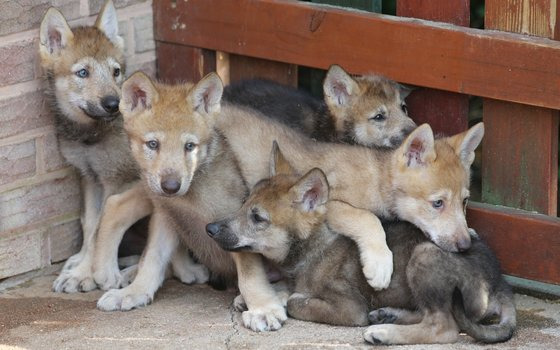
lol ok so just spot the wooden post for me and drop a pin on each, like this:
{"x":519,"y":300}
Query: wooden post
{"x":446,"y":112}
{"x":520,"y":152}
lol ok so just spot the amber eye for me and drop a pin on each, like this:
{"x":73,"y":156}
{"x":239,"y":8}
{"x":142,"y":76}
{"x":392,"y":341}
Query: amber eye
{"x":82,"y":73}
{"x":437,"y":204}
{"x":152,"y":144}
{"x":116,"y":72}
{"x":378,"y":117}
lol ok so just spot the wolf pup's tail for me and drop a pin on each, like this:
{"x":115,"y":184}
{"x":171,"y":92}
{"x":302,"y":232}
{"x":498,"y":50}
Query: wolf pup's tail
{"x":492,"y":333}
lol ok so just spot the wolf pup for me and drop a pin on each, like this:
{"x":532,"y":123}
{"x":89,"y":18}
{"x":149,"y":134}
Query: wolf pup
{"x":84,"y":68}
{"x":433,"y":294}
{"x":368,"y":110}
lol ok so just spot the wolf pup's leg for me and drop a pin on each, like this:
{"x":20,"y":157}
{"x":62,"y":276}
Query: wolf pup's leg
{"x":120,"y":212}
{"x":394,"y":315}
{"x":266,"y":311}
{"x":435,"y":328}
{"x":334,"y":309}
{"x":77,"y":272}
{"x":186,"y":270}
{"x":366,"y":230}
{"x":162,"y":242}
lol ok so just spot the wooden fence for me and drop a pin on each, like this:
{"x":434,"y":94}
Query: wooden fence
{"x":518,"y":76}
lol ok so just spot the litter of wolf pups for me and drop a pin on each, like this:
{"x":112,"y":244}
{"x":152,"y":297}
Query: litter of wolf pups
{"x":340,"y":211}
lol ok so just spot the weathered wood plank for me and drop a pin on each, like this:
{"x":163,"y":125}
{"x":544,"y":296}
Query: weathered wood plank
{"x":238,"y":67}
{"x":520,"y":150}
{"x":180,"y":63}
{"x":447,"y":112}
{"x":435,"y":55}
{"x":527,"y":244}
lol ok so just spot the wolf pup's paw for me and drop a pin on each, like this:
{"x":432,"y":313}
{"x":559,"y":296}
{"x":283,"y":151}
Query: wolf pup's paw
{"x":239,"y":303}
{"x":266,"y":319}
{"x":109,"y":278}
{"x":378,"y":268}
{"x":78,"y":279}
{"x":73,"y":261}
{"x":123,"y":300}
{"x":192,"y":273}
{"x":377,"y":335}
{"x":380,"y":316}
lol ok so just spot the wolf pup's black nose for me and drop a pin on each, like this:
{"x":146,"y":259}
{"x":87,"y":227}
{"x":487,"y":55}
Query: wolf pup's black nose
{"x":110,"y":104}
{"x":170,"y":186}
{"x":212,"y":229}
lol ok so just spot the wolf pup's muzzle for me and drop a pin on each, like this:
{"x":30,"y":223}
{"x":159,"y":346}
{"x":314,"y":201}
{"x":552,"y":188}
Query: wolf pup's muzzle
{"x":226,"y":239}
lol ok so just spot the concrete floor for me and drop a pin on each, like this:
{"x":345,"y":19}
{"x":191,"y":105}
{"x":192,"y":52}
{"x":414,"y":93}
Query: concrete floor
{"x":198,"y":317}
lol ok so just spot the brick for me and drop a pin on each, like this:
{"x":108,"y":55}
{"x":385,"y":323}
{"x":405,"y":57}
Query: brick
{"x":17,"y":161}
{"x":65,"y":240}
{"x":144,"y":33}
{"x":17,"y":16}
{"x":22,"y":113}
{"x":95,"y":5}
{"x":20,"y":254}
{"x":19,"y":61}
{"x":147,"y":67}
{"x":27,"y":205}
{"x":52,"y":157}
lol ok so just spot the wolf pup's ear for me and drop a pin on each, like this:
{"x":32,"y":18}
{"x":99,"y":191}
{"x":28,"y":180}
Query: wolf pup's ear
{"x":206,"y":96}
{"x":138,"y":94}
{"x":279,"y":165}
{"x":418,"y":148}
{"x":311,"y":191}
{"x":55,"y":33}
{"x":466,"y":142}
{"x":405,"y":90}
{"x":339,"y":87}
{"x":108,"y":23}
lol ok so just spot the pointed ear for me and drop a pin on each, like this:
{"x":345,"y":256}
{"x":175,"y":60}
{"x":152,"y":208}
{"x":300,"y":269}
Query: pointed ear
{"x":55,"y":33}
{"x":138,"y":94}
{"x":279,"y":165}
{"x":418,"y":148}
{"x":339,"y":87}
{"x":405,"y":90}
{"x":206,"y":96}
{"x":466,"y":142}
{"x":108,"y":23}
{"x":311,"y":191}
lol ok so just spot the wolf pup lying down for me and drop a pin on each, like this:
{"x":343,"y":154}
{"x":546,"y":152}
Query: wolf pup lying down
{"x":85,"y":67}
{"x":368,"y":110}
{"x":433,"y":294}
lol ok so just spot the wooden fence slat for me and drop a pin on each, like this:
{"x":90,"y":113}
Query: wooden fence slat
{"x":447,"y":112}
{"x":484,"y":63}
{"x":179,"y":63}
{"x":520,"y":150}
{"x":527,"y":244}
{"x":243,"y":67}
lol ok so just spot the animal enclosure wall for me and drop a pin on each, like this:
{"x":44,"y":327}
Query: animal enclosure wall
{"x":518,"y":76}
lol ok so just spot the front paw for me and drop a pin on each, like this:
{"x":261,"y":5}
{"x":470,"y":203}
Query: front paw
{"x":123,"y":299}
{"x":377,"y":335}
{"x":380,"y":316}
{"x":378,"y":268}
{"x":73,"y":261}
{"x":265,"y":319}
{"x":108,"y":278}
{"x":75,"y":280}
{"x":192,"y":273}
{"x":239,"y":303}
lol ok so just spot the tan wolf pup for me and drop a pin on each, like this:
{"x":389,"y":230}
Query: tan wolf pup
{"x":192,"y":179}
{"x":369,"y":110}
{"x":84,"y":68}
{"x":284,"y":219}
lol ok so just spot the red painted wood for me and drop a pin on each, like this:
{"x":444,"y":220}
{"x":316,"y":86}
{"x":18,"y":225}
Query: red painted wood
{"x":446,"y":112}
{"x":435,"y":55}
{"x":527,"y":244}
{"x":179,"y":63}
{"x":243,"y":67}
{"x":520,"y":151}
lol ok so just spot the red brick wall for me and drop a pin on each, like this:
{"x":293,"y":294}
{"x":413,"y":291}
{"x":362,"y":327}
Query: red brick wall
{"x":39,"y":193}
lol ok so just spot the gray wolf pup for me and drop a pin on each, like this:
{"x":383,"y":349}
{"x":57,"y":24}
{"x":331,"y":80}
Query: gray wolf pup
{"x":433,"y":294}
{"x":368,"y":110}
{"x":84,"y":68}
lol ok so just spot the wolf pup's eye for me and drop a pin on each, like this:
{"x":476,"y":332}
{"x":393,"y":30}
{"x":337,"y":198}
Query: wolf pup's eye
{"x":189,"y":146}
{"x":378,"y":117}
{"x":152,"y":144}
{"x":437,"y":204}
{"x":404,"y":108}
{"x":82,"y":73}
{"x":116,"y":72}
{"x":256,"y":217}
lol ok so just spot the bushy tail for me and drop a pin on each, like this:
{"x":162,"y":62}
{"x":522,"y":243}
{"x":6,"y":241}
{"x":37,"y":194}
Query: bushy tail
{"x":493,"y":333}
